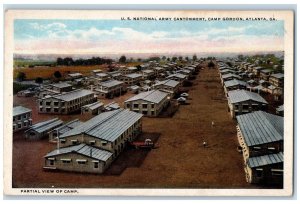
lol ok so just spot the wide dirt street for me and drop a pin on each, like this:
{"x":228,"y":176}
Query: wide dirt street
{"x":180,"y":161}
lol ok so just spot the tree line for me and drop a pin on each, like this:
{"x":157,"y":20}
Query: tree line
{"x":68,"y":61}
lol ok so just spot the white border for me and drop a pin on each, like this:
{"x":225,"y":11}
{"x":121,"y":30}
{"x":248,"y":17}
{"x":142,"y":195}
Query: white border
{"x":172,"y":192}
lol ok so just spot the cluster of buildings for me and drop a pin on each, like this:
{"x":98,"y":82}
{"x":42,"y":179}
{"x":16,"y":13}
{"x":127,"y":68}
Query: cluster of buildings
{"x":92,"y":145}
{"x":259,"y":133}
{"x":145,"y":78}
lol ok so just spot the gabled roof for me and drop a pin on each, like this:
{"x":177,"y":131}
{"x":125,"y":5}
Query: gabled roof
{"x":134,"y":75}
{"x":107,"y":126}
{"x":280,"y":108}
{"x":265,"y":160}
{"x":154,"y":96}
{"x":112,"y":106}
{"x":111,"y":83}
{"x":75,"y":74}
{"x":225,"y":76}
{"x":148,"y":71}
{"x":18,"y":110}
{"x":227,"y":70}
{"x":265,"y":70}
{"x":237,"y":96}
{"x":93,"y":106}
{"x":158,"y":68}
{"x":260,"y":127}
{"x":257,"y":68}
{"x":178,"y":75}
{"x":96,"y":70}
{"x":234,"y":82}
{"x":185,"y":71}
{"x":169,"y":82}
{"x":68,"y":126}
{"x":132,"y":68}
{"x":278,"y":75}
{"x":101,"y":74}
{"x":45,"y":125}
{"x":83,"y":149}
{"x":61,"y":85}
{"x":69,"y":96}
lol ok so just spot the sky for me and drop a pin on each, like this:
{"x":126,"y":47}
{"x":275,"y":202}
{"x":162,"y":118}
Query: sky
{"x":121,"y":37}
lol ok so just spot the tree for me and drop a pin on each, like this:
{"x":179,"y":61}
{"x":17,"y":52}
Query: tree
{"x":57,"y":74}
{"x":168,"y":59}
{"x":39,"y":80}
{"x":174,"y":59}
{"x":21,"y":76}
{"x":139,"y":68}
{"x":240,"y":57}
{"x":122,"y":59}
{"x":187,"y":58}
{"x":229,"y":64}
{"x":163,"y":58}
{"x":194,"y":57}
{"x":180,"y":58}
{"x":211,"y":64}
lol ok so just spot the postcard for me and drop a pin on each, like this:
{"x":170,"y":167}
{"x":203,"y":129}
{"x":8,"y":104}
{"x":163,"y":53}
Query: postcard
{"x":149,"y":102}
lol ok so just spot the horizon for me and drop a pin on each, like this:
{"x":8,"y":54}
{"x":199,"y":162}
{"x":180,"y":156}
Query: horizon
{"x":142,"y":55}
{"x":116,"y":37}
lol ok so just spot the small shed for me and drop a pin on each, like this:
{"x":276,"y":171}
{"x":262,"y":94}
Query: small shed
{"x":112,"y":106}
{"x":93,"y":108}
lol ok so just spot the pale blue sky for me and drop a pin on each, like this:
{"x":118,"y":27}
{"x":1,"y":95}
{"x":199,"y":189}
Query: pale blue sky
{"x":29,"y":34}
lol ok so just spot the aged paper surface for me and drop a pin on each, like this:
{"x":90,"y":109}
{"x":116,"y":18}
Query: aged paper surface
{"x":164,"y":171}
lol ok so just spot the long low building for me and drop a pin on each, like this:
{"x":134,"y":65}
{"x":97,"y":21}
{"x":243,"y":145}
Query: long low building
{"x":260,"y":136}
{"x":242,"y":101}
{"x":149,"y":103}
{"x":266,"y":169}
{"x":42,"y":129}
{"x":93,"y":108}
{"x":79,"y":158}
{"x":233,"y":85}
{"x":21,"y":118}
{"x":109,"y":130}
{"x":107,"y":133}
{"x":170,"y":86}
{"x":62,"y":129}
{"x":109,"y":89}
{"x":66,"y":103}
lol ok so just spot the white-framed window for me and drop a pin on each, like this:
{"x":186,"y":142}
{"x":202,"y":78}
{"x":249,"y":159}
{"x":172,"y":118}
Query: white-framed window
{"x":74,"y":142}
{"x":66,"y":160}
{"x":81,"y":161}
{"x":277,"y":172}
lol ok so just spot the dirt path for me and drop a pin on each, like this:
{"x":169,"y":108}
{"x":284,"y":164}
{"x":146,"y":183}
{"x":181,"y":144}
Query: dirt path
{"x":180,"y":161}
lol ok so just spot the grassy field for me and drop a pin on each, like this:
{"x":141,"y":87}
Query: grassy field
{"x":47,"y":72}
